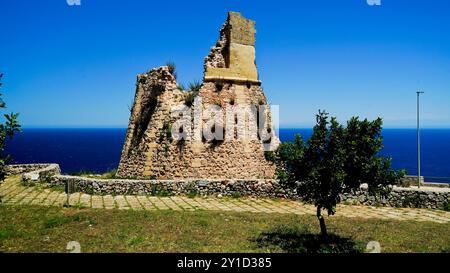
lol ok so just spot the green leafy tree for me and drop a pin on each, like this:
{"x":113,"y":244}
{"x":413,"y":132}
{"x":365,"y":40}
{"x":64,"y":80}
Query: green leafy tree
{"x":337,"y":160}
{"x":7,"y":131}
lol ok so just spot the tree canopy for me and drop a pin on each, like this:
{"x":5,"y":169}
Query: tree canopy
{"x":337,"y":160}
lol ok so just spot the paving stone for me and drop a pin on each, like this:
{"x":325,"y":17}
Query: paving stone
{"x":17,"y":196}
{"x":169,"y":202}
{"x":85,"y":200}
{"x":60,"y":200}
{"x":121,"y":202}
{"x":182,"y":203}
{"x":28,"y":198}
{"x":51,"y":198}
{"x":40,"y":198}
{"x":133,"y":202}
{"x":158,"y":203}
{"x":201,"y":203}
{"x":146,"y":203}
{"x":97,"y":202}
{"x":193,"y":202}
{"x":74,"y":198}
{"x":108,"y":202}
{"x":16,"y":193}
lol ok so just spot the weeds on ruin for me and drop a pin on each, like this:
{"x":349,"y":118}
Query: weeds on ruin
{"x":194,"y":89}
{"x":172,"y":68}
{"x":195,"y":86}
{"x":166,"y":132}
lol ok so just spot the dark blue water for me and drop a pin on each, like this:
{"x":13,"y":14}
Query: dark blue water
{"x":98,"y":150}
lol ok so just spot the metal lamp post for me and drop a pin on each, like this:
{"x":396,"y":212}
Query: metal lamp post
{"x":418,"y":137}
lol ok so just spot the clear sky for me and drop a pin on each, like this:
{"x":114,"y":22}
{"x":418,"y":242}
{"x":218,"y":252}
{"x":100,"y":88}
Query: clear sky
{"x":76,"y":66}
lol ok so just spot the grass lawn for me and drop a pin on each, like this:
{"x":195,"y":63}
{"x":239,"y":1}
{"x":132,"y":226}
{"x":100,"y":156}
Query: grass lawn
{"x":42,"y":229}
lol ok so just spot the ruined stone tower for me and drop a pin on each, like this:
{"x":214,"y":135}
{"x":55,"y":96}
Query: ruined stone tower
{"x":174,"y":133}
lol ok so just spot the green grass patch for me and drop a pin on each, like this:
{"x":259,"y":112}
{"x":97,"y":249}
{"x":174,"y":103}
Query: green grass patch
{"x":45,"y":229}
{"x":236,"y":194}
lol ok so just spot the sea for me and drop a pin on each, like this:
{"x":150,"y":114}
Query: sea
{"x":98,"y":150}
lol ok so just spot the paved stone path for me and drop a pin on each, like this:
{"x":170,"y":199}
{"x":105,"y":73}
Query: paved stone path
{"x":13,"y":193}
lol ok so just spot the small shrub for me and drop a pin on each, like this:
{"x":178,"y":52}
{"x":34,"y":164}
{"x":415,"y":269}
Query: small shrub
{"x":79,"y":205}
{"x":270,"y":156}
{"x":282,"y":175}
{"x":89,"y":190}
{"x":59,"y":188}
{"x":110,"y":174}
{"x":447,"y":208}
{"x":83,"y":173}
{"x":163,"y":193}
{"x":160,"y":191}
{"x":192,"y":194}
{"x":236,"y":194}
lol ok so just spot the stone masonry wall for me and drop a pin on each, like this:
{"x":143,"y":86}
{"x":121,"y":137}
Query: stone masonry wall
{"x":150,"y":151}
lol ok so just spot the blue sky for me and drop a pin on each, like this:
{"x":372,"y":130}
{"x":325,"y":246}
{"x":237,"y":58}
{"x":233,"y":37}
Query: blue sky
{"x":76,"y":66}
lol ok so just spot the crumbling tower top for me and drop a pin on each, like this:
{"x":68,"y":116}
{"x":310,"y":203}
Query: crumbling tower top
{"x":233,"y":57}
{"x":240,"y":30}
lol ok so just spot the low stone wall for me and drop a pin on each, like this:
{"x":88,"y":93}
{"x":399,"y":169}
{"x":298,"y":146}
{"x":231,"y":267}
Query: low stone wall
{"x":25,"y":168}
{"x":425,"y":197}
{"x":32,"y":173}
{"x":225,"y":187}
{"x":409,"y":180}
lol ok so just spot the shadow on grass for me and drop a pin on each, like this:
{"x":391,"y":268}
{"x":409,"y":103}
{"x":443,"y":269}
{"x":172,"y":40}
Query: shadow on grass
{"x":296,"y":240}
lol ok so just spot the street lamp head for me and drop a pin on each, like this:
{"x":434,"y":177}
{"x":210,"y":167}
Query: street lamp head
{"x":420,"y":92}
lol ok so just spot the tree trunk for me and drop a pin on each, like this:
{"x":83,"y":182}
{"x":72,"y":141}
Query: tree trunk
{"x":323,"y":227}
